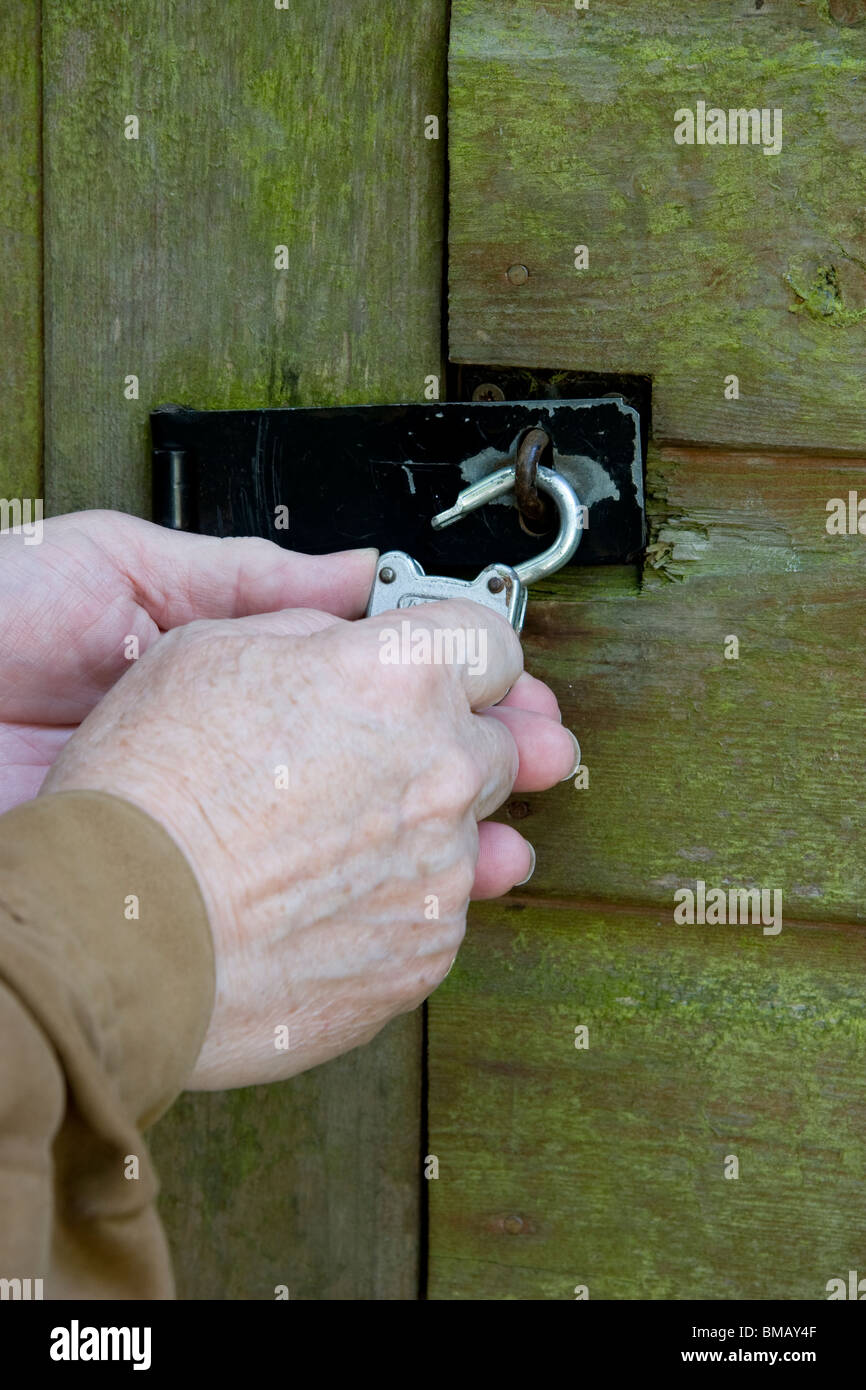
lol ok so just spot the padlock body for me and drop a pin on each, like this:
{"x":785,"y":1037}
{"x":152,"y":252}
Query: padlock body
{"x":405,"y":585}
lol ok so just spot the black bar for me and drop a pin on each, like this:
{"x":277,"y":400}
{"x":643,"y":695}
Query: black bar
{"x":376,"y":475}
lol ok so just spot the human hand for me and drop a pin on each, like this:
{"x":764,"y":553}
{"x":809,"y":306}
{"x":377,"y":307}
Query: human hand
{"x":337,"y":891}
{"x":97,"y":579}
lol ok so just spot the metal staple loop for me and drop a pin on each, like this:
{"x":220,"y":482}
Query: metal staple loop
{"x":535,"y":511}
{"x":501,"y":482}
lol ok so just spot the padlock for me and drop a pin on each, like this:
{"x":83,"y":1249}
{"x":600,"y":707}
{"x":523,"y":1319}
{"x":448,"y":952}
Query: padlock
{"x":401,"y":582}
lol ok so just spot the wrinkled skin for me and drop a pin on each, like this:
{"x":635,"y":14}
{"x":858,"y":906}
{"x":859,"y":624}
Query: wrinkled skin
{"x":69,"y":603}
{"x":338,"y":900}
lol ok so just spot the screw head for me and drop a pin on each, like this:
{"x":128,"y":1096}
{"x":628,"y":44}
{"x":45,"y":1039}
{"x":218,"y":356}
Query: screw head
{"x":488,"y":391}
{"x":496,"y":584}
{"x":387,"y":575}
{"x":517,"y":274}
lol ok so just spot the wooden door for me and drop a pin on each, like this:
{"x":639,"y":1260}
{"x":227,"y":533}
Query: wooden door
{"x":560,"y":1166}
{"x":606,"y":1170}
{"x":153,"y":252}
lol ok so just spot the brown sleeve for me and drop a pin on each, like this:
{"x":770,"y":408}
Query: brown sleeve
{"x":102,"y":1015}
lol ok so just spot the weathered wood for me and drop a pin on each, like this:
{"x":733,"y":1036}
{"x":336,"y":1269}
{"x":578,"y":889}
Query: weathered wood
{"x":701,"y":765}
{"x":741,"y":773}
{"x":604,"y":1167}
{"x":301,"y":128}
{"x":258,"y":128}
{"x":561,"y":1167}
{"x":312,"y":1185}
{"x":704,"y":261}
{"x":715,"y":512}
{"x":20,"y":251}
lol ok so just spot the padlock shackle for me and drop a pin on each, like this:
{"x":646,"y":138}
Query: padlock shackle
{"x":567,"y":504}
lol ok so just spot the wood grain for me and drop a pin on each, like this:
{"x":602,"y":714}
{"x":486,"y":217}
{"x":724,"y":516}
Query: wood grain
{"x":299,"y":127}
{"x":711,"y":1040}
{"x":258,"y":128}
{"x":698,"y":764}
{"x":20,"y":251}
{"x":312,"y":1184}
{"x":604,"y":1167}
{"x":704,"y":261}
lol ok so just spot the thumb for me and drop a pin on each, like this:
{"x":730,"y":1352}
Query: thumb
{"x":179,"y":577}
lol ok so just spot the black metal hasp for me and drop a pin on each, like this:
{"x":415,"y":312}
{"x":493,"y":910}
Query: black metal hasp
{"x":317,"y":480}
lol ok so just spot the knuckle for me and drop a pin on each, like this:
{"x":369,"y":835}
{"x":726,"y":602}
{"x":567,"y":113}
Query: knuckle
{"x":198,"y":655}
{"x":466,"y":778}
{"x":197,"y":631}
{"x":188,"y":647}
{"x":454,"y":785}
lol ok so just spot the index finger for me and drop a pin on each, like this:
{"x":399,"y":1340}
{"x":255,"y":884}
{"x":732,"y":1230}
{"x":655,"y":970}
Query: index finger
{"x":481,"y":649}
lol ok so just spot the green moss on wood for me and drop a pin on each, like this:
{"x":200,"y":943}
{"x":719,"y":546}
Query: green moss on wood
{"x":703,"y":1042}
{"x":160,"y":252}
{"x":20,"y":252}
{"x":258,"y":127}
{"x":562,"y":132}
{"x":821,"y":296}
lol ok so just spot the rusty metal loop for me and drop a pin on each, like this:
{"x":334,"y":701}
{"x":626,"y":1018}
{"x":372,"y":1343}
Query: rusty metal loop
{"x":535,"y":511}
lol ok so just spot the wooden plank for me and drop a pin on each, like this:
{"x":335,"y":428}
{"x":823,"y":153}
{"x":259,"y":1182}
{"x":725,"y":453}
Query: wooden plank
{"x":301,"y":127}
{"x":701,"y":765}
{"x":605,"y":1167}
{"x":312,"y":1184}
{"x":160,"y":262}
{"x":716,"y":512}
{"x":704,"y":261}
{"x":711,"y":1040}
{"x":684,"y":778}
{"x":20,"y":251}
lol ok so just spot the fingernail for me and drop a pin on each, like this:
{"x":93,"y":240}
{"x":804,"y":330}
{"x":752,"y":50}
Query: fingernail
{"x":531,"y":868}
{"x":574,"y":771}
